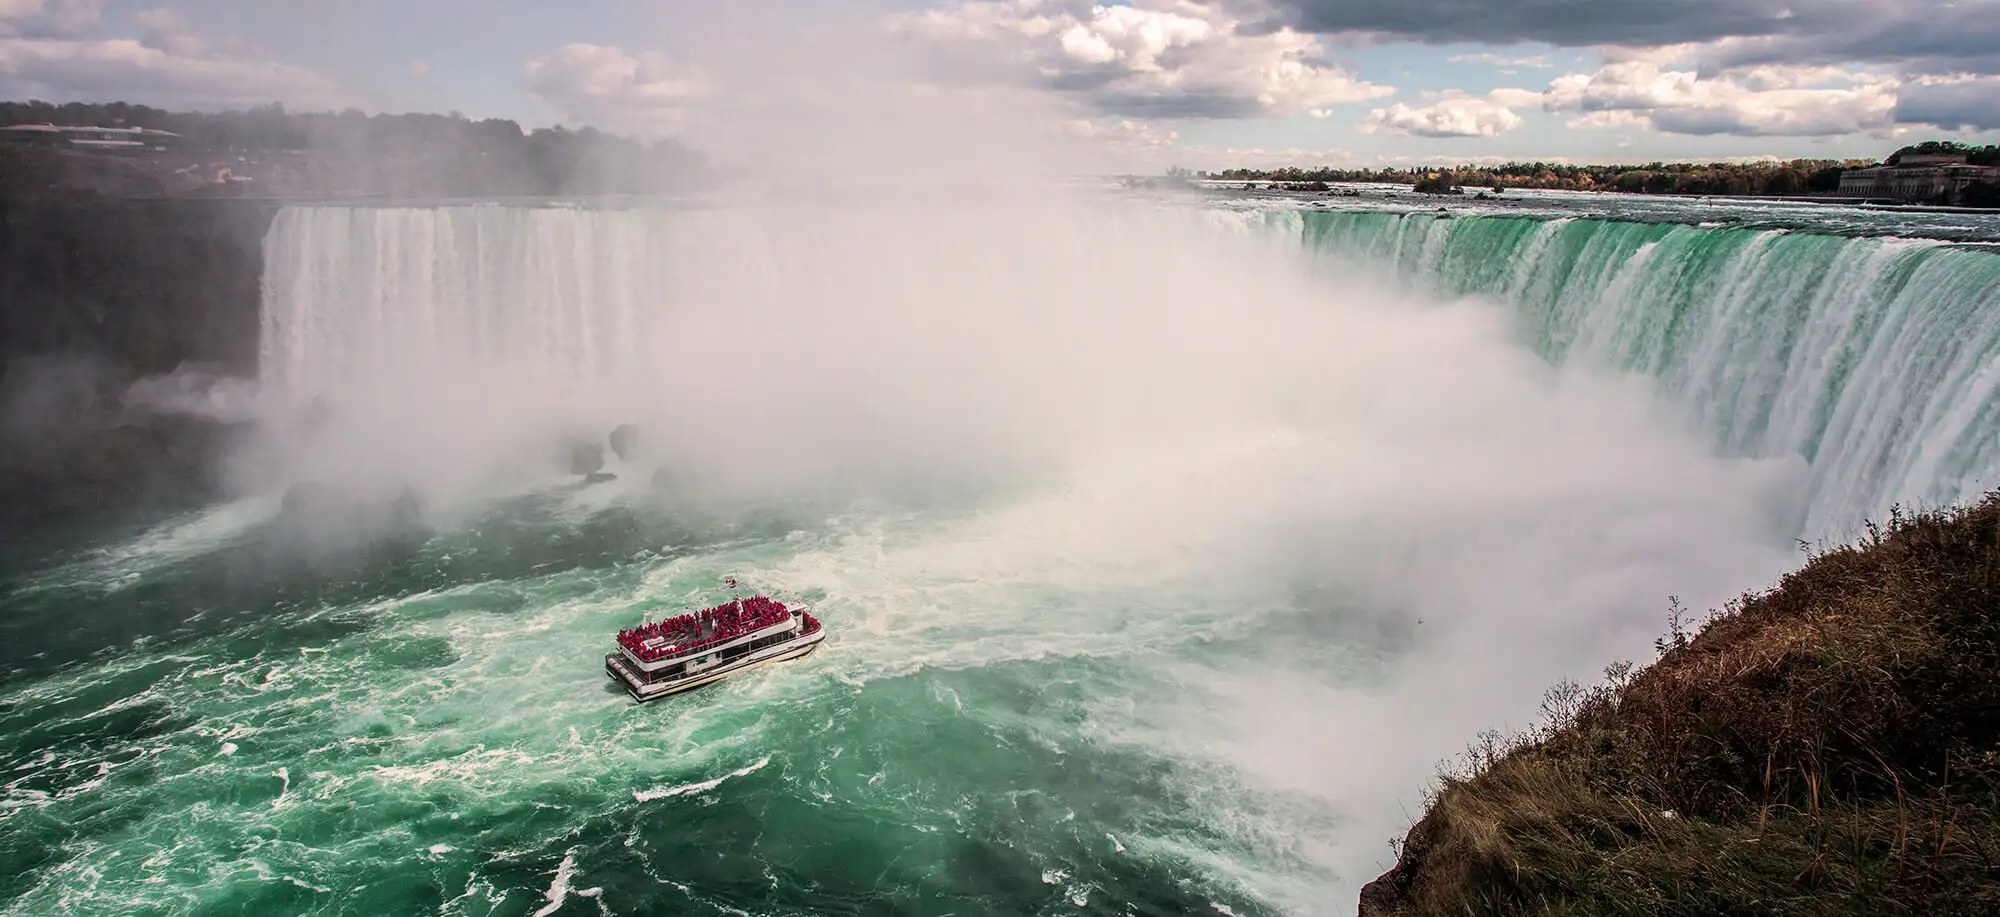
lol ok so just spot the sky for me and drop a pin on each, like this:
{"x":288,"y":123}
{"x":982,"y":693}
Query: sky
{"x":1202,"y":84}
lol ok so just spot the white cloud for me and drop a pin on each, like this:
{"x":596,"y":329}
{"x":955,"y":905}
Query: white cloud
{"x":50,"y":18}
{"x":129,"y":70}
{"x":607,"y":87}
{"x":53,"y":49}
{"x":1648,"y":89}
{"x":1761,"y":101}
{"x":1454,"y":114}
{"x":1125,"y":136}
{"x":1150,"y":59}
{"x":167,"y":31}
{"x":1537,"y":62}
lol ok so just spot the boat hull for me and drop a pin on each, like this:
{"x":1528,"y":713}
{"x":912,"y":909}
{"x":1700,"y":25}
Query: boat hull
{"x":642,"y":691}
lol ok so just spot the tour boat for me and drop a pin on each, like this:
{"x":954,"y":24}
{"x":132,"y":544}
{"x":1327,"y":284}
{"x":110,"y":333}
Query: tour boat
{"x":684,"y":653}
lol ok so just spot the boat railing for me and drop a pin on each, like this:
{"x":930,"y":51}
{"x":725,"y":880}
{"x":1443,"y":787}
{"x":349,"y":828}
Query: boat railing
{"x":695,"y":651}
{"x":681,"y":636}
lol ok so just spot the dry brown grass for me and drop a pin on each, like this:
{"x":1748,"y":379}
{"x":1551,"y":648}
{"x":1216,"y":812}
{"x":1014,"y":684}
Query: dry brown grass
{"x":1831,"y":746}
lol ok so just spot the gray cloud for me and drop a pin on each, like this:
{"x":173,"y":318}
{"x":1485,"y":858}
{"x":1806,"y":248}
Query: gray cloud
{"x":1568,"y":22}
{"x":1966,"y":105}
{"x":1921,"y":36}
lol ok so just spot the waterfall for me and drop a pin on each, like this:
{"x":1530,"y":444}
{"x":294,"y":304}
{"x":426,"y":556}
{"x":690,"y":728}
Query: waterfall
{"x":1875,"y":360}
{"x":553,"y":293}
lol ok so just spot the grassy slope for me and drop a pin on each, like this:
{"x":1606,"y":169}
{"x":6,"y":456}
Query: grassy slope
{"x":1831,"y":746}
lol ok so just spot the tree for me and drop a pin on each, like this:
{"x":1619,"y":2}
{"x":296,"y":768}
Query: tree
{"x":1783,"y":182}
{"x":1439,"y":183}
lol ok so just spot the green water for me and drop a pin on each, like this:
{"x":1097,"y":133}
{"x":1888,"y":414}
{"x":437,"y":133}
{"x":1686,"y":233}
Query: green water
{"x":200,"y":726}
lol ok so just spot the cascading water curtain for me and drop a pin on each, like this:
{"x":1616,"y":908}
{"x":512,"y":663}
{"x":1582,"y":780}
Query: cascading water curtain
{"x":1875,"y":360}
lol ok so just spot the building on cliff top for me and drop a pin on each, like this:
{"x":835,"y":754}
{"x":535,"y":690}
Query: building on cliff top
{"x":100,"y":139}
{"x":1918,"y":179}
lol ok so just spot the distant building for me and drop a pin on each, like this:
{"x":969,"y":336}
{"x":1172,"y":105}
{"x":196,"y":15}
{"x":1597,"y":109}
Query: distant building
{"x":103,"y":139}
{"x":1919,"y":179}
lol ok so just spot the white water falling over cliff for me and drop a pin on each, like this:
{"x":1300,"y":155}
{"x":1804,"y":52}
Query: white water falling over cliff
{"x":1874,"y":360}
{"x":560,"y":294}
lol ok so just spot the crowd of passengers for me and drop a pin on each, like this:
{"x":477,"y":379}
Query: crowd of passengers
{"x":683,"y":634}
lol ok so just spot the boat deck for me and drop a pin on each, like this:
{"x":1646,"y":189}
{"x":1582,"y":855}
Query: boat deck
{"x":636,"y":683}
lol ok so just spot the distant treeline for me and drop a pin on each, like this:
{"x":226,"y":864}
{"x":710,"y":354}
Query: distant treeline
{"x":400,"y":153}
{"x":1797,"y":177}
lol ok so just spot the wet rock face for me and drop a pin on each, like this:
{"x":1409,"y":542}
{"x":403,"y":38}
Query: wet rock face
{"x":71,"y":446}
{"x":148,"y":285}
{"x":116,"y":291}
{"x":625,"y":442}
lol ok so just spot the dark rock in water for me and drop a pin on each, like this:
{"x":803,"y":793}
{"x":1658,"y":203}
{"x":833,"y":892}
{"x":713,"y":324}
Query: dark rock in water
{"x":624,"y":441}
{"x":586,"y":459}
{"x":663,"y":479}
{"x":598,"y":477}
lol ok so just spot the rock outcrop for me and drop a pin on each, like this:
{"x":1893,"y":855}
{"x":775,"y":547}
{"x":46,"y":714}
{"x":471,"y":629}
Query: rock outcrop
{"x":95,"y":295}
{"x":625,"y":442}
{"x":1831,"y":746}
